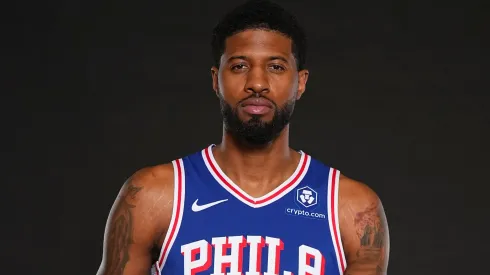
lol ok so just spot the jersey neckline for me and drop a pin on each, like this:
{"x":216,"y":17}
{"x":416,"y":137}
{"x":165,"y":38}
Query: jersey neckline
{"x":272,"y":196}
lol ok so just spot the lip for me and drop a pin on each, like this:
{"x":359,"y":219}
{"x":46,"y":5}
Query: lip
{"x":257,"y":101}
{"x":257,"y":106}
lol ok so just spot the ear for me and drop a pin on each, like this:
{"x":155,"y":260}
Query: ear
{"x":302,"y":79}
{"x":214,"y":76}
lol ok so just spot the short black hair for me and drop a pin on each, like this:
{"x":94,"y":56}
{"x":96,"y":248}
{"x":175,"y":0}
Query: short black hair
{"x":259,"y":14}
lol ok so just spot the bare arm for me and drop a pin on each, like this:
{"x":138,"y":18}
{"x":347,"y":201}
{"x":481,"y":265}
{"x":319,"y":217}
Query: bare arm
{"x":364,"y":229}
{"x":137,"y":220}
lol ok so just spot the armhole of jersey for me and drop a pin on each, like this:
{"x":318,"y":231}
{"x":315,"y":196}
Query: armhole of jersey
{"x":333,"y":218}
{"x":177,"y":212}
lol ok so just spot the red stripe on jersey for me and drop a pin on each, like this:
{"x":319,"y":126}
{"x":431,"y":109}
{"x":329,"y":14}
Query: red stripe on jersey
{"x":178,"y":213}
{"x":333,"y":203}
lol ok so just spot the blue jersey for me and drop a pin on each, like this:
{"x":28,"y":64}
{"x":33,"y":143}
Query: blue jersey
{"x":216,"y":228}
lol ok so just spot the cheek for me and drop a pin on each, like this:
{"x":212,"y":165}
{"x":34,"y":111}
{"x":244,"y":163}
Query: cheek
{"x":230,"y":86}
{"x":286,"y":90}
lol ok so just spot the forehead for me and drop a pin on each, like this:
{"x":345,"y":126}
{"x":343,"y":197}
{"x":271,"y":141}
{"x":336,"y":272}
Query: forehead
{"x":256,"y":43}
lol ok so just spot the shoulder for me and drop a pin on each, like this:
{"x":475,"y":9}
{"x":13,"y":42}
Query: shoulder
{"x":355,"y":193}
{"x":358,"y":205}
{"x":157,"y":176}
{"x":350,"y":191}
{"x":149,"y":184}
{"x":145,"y":200}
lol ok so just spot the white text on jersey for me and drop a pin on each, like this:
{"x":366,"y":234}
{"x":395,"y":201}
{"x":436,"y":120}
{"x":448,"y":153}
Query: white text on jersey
{"x":310,"y":260}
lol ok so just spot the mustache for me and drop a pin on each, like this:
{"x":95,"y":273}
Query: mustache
{"x":256,"y":95}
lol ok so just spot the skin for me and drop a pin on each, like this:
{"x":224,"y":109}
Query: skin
{"x":363,"y":228}
{"x":138,"y":222}
{"x":254,"y":61}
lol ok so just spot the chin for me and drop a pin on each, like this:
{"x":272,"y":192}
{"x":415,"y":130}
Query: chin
{"x":256,"y":118}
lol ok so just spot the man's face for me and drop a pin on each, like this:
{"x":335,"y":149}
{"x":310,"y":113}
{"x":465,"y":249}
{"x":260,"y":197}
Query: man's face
{"x":258,"y":84}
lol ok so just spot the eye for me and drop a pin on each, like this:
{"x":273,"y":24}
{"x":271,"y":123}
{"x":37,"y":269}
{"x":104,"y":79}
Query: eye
{"x":238,"y":67}
{"x":278,"y":68}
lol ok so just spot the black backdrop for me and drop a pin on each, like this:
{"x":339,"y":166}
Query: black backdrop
{"x":96,"y":90}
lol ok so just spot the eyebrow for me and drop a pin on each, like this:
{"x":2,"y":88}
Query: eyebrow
{"x":246,"y":58}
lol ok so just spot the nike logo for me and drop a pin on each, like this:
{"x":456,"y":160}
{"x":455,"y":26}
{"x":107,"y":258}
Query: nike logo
{"x":197,"y":208}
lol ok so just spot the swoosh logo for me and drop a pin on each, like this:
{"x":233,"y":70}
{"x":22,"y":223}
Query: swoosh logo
{"x":197,"y":208}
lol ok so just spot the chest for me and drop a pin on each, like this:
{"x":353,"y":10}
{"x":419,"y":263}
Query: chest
{"x":220,"y":234}
{"x":219,"y":229}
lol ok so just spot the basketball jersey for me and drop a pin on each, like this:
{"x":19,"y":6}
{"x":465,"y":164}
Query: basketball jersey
{"x":216,"y":228}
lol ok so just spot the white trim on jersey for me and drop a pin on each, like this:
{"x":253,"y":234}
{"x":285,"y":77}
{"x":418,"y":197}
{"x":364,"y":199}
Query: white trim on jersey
{"x":177,"y":212}
{"x":268,"y":198}
{"x":337,"y":224}
{"x":333,"y":218}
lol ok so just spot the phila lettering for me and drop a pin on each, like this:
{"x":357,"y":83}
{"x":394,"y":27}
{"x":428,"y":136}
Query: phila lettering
{"x":229,"y":254}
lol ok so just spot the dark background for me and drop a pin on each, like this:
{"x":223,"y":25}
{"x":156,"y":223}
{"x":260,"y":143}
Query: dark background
{"x":96,"y":90}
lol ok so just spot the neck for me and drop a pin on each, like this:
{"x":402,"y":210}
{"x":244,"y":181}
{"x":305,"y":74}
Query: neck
{"x":257,"y":169}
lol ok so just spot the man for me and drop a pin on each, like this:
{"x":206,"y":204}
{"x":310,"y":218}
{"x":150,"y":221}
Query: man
{"x":250,"y":205}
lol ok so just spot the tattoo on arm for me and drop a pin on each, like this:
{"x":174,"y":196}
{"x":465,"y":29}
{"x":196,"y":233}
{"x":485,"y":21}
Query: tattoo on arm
{"x":372,"y":233}
{"x":121,"y":234}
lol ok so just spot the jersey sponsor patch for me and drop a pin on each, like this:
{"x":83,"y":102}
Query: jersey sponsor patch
{"x":306,"y":200}
{"x":306,"y":197}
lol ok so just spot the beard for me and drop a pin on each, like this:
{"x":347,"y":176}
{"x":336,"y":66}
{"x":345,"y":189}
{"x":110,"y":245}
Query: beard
{"x":256,"y":132}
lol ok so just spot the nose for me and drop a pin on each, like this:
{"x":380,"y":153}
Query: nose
{"x":257,"y":81}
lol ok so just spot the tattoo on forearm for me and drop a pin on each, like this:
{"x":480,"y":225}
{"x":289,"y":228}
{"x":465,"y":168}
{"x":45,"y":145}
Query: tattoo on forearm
{"x":121,"y":235}
{"x":371,"y":230}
